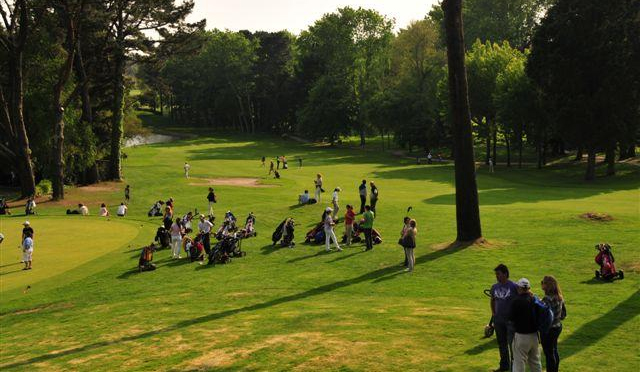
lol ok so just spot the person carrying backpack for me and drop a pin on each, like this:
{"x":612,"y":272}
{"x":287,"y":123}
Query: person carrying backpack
{"x":554,"y":300}
{"x":523,"y":314}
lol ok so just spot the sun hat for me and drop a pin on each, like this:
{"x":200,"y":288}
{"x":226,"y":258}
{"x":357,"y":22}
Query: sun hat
{"x":523,"y":283}
{"x":201,"y":216}
{"x":328,"y":209}
{"x":26,"y":223}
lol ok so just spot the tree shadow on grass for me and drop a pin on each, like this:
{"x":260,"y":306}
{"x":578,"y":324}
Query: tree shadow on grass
{"x":317,"y":291}
{"x":346,"y":256}
{"x":270,"y":248}
{"x":591,"y":333}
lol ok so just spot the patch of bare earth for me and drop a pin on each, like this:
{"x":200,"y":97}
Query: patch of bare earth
{"x":54,"y":306}
{"x":242,"y":182}
{"x":597,"y":217}
{"x":633,"y":266}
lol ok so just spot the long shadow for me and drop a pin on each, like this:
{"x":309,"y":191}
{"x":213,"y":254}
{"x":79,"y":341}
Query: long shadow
{"x":270,"y":248}
{"x":11,"y":264}
{"x":481,"y":348}
{"x":317,"y":254}
{"x":592,"y":332}
{"x":453,"y":248}
{"x":346,"y":256}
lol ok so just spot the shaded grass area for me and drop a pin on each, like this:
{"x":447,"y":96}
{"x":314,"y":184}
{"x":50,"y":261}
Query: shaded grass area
{"x":301,"y":308}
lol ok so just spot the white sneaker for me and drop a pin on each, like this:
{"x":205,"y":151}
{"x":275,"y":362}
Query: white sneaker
{"x":339,"y":249}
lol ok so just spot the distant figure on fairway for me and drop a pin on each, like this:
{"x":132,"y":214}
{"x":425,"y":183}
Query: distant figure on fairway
{"x":277,"y":162}
{"x":318,"y":186}
{"x":276,"y":174}
{"x":554,"y":299}
{"x":405,"y":227}
{"x":304,"y":198}
{"x":362,"y":190}
{"x":284,"y":162}
{"x":373,"y":199}
{"x":186,"y":169}
{"x":127,"y":194}
{"x":329,"y":234}
{"x":211,"y":198}
{"x":30,"y":206}
{"x":429,"y":158}
{"x":263,"y":160}
{"x":4,"y":207}
{"x":82,"y":209}
{"x":299,"y":162}
{"x":334,"y":201}
{"x":502,"y":294}
{"x":349,"y":219}
{"x":122,"y":210}
{"x":366,"y":224}
{"x":409,"y":243}
{"x":271,"y":168}
{"x":104,"y":212}
{"x":525,"y":338}
{"x":27,"y":252}
{"x":490,"y":165}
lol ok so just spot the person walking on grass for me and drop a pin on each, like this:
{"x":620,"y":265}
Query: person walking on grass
{"x":263,"y":160}
{"x":367,"y":226}
{"x":490,"y":165}
{"x":27,"y":230}
{"x":349,"y":218}
{"x":362,"y":190}
{"x":27,"y":252}
{"x":299,"y":161}
{"x":318,"y":186}
{"x":329,"y":234}
{"x":277,"y":162}
{"x":211,"y":198}
{"x":127,"y":194}
{"x":554,"y":299}
{"x":373,"y":199}
{"x":187,"y":167}
{"x":409,"y":243}
{"x":271,"y":168}
{"x":502,"y":293}
{"x":525,"y":338}
{"x":334,"y":201}
{"x":176,"y":238}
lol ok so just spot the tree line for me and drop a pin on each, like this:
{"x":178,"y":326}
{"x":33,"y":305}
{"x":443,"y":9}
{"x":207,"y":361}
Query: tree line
{"x":549,"y":75}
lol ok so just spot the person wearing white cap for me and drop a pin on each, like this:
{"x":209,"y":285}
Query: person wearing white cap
{"x":329,"y":234}
{"x":27,"y":230}
{"x":525,"y":339}
{"x":334,"y":201}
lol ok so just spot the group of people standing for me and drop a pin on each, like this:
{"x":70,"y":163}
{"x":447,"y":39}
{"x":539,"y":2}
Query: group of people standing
{"x":514,"y":309}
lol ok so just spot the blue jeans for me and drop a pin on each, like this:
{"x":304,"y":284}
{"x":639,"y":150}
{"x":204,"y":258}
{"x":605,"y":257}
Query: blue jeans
{"x":550,"y":348}
{"x":504,"y":336}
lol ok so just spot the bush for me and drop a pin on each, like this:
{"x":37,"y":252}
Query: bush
{"x":43,"y":188}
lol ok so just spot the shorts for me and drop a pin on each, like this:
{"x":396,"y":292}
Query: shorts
{"x":26,"y":254}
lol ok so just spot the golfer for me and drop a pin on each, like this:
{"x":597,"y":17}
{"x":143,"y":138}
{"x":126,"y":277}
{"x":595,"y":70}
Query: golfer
{"x":329,"y":234}
{"x":187,"y":167}
{"x":318,"y":186}
{"x":205,"y":230}
{"x":367,"y":226}
{"x":334,"y":201}
{"x":27,"y":252}
{"x":373,"y":199}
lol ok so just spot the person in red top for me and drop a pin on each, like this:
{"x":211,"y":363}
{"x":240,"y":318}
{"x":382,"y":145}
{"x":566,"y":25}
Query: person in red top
{"x":349,"y":218}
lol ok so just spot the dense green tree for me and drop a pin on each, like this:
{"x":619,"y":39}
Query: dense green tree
{"x":585,"y":57}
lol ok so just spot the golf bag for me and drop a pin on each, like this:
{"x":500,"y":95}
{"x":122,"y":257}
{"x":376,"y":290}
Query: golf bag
{"x":316,"y":234}
{"x":163,"y":237}
{"x":284,"y":233}
{"x":607,"y":263}
{"x":194,"y":248}
{"x":355,"y":236}
{"x":249,"y":228}
{"x":156,"y":210}
{"x":226,"y":248}
{"x":146,"y":256}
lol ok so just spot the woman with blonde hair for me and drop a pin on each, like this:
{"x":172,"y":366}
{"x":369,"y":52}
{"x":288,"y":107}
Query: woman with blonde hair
{"x":318,"y":186}
{"x":554,"y":299}
{"x":409,"y":243}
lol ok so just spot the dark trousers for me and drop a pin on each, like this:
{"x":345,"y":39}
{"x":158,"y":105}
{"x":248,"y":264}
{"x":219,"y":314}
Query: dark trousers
{"x":550,"y":348}
{"x":373,"y":203}
{"x":206,"y":241}
{"x":363,"y":201}
{"x":504,"y":336}
{"x":368,"y":239}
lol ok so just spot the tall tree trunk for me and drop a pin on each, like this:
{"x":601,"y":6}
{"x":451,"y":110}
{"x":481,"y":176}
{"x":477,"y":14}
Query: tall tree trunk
{"x":115,"y":161}
{"x":539,"y":153}
{"x":488,"y":153}
{"x":362,"y":136}
{"x":57,"y":182}
{"x":24,"y":166}
{"x":495,"y":145}
{"x":611,"y":160}
{"x":161,"y":98}
{"x":467,"y":209}
{"x":591,"y":164}
{"x":520,"y":146}
{"x":578,"y":154}
{"x":508,"y":143}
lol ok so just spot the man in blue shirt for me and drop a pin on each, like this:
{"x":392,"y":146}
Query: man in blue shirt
{"x":502,"y":293}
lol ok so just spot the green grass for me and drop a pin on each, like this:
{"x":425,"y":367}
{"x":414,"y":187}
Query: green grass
{"x":284,"y":309}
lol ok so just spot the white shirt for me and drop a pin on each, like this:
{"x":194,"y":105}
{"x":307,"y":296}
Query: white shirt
{"x":205,"y":226}
{"x":335,"y":196}
{"x":187,"y":167}
{"x":122,"y":209}
{"x":84,"y":210}
{"x":104,"y":212}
